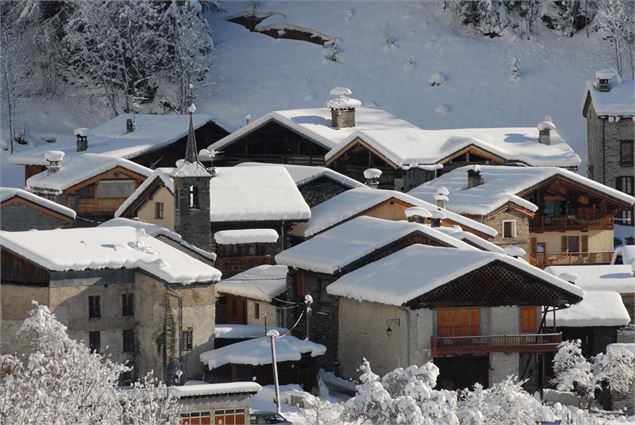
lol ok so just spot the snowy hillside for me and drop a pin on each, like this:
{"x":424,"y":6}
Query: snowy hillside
{"x":255,"y":73}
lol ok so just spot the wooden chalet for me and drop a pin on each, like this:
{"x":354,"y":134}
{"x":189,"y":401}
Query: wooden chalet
{"x":21,"y":210}
{"x":477,"y":314}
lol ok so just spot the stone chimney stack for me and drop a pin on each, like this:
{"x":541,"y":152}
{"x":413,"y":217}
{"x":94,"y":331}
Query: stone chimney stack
{"x":342,"y":108}
{"x":372,"y":175}
{"x":129,"y":125}
{"x":82,"y":139}
{"x":474,"y":177}
{"x":437,"y":216}
{"x":53,"y":160}
{"x":417,"y":215}
{"x":441,"y":196}
{"x":247,"y":119}
{"x":544,"y":130}
{"x":604,"y":78}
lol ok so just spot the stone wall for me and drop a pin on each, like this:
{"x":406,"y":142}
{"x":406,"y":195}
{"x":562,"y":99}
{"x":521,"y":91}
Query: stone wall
{"x":522,"y":229}
{"x":193,"y":223}
{"x":320,"y":190}
{"x":18,"y":217}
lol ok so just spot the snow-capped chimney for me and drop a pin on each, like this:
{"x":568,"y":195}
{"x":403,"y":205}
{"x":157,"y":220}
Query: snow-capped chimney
{"x":474,"y":177}
{"x":441,"y":196}
{"x":53,"y":160}
{"x":544,"y":130}
{"x":417,"y":215}
{"x":247,"y":119}
{"x":129,"y":125}
{"x":437,"y":216}
{"x":372,"y":175}
{"x":604,"y":78}
{"x":82,"y":139}
{"x":342,"y":108}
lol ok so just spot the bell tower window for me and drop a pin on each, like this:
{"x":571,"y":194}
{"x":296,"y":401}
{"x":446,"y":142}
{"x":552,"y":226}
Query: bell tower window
{"x":194,"y":199}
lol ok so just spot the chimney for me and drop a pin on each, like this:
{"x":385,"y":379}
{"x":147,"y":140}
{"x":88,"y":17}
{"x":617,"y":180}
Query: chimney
{"x":129,"y":125}
{"x":417,"y":215}
{"x":247,"y":119}
{"x":441,"y":196}
{"x":474,"y":177}
{"x":53,"y":159}
{"x":437,"y":216}
{"x":82,"y":139}
{"x":544,"y":130}
{"x":604,"y":78}
{"x":342,"y":108}
{"x":372,"y":175}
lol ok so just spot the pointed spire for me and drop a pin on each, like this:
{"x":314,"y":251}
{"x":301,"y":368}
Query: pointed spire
{"x":191,"y":151}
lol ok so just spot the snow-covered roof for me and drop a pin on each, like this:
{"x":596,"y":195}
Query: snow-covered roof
{"x":257,"y":351}
{"x":341,"y":245}
{"x":264,"y":193}
{"x":470,"y":238}
{"x":597,"y":308}
{"x":618,"y":102}
{"x":156,"y":230}
{"x":303,"y":174}
{"x":627,"y":346}
{"x":79,"y":169}
{"x":418,"y":269}
{"x":110,"y":138}
{"x":608,"y":277}
{"x":627,"y":252}
{"x":258,"y":283}
{"x":410,"y":146}
{"x":355,"y":201}
{"x":200,"y":390}
{"x":232,"y":237}
{"x":190,"y":169}
{"x":7,"y":193}
{"x":315,"y":124}
{"x":96,"y":248}
{"x":502,"y":184}
{"x":235,"y":331}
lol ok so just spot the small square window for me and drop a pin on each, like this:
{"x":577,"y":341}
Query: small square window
{"x":94,"y":341}
{"x":509,"y":229}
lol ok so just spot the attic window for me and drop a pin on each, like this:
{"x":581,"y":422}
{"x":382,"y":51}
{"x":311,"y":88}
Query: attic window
{"x":509,"y":229}
{"x":194,"y":198}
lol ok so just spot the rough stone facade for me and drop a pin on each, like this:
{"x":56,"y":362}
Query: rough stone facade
{"x":193,"y":223}
{"x":320,"y":190}
{"x":522,"y":228}
{"x":17,"y":217}
{"x":603,"y":143}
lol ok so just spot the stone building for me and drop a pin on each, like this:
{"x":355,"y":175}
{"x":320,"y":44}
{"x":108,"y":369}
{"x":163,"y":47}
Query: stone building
{"x":117,"y":289}
{"x":609,"y":109}
{"x":436,"y":298}
{"x":22,"y":210}
{"x":555,"y":215}
{"x":321,"y":260}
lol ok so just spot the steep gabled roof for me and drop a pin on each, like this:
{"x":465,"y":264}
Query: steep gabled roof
{"x":338,"y":247}
{"x":258,"y":283}
{"x":502,"y":185}
{"x":356,"y":201}
{"x":7,"y":193}
{"x":419,"y":269}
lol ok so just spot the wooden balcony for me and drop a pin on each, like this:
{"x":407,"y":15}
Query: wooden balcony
{"x":98,"y":206}
{"x":572,"y":258}
{"x":230,"y":266}
{"x":481,"y":344}
{"x":546,"y":223}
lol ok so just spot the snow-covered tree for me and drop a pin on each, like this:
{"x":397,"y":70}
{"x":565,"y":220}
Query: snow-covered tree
{"x":567,"y":17}
{"x":616,"y":25}
{"x":487,"y":17}
{"x":615,"y":367}
{"x":514,"y":68}
{"x":59,"y":381}
{"x":190,"y":47}
{"x":572,"y":371}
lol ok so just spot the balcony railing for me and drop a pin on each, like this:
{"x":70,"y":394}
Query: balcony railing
{"x":571,"y":258}
{"x":230,"y":266}
{"x":99,"y":205}
{"x":455,"y":345}
{"x":548,"y":223}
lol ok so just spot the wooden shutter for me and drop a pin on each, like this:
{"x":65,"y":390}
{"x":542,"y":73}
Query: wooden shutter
{"x":532,"y":246}
{"x":442,"y":323}
{"x":528,"y":319}
{"x":565,"y":247}
{"x":476,"y":321}
{"x":584,"y":243}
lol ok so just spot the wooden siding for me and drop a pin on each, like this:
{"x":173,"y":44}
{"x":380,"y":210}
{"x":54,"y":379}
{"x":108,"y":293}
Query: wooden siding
{"x":16,"y":269}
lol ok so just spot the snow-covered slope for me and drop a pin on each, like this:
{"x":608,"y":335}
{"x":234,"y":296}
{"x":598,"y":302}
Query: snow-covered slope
{"x":255,"y":74}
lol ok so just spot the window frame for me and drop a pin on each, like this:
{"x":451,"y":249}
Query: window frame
{"x":94,"y":306}
{"x":187,"y":339}
{"x":94,"y":346}
{"x":193,"y":197}
{"x":127,"y":304}
{"x":256,"y":310}
{"x":624,"y":183}
{"x":626,"y":150}
{"x":159,"y":210}
{"x":513,"y":229}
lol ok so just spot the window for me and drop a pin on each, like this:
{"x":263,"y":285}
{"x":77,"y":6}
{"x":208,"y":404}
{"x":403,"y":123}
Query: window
{"x":625,"y":184}
{"x":186,"y":339}
{"x":509,"y":229}
{"x":94,"y":341}
{"x":127,"y":304}
{"x":194,"y":197}
{"x":458,"y":322}
{"x":626,"y":153}
{"x":94,"y":306}
{"x":627,"y":217}
{"x":572,"y":244}
{"x":198,"y":418}
{"x":128,"y":340}
{"x":116,"y":188}
{"x":158,"y":209}
{"x":257,"y":310}
{"x":300,"y":287}
{"x":529,"y":319}
{"x":86,"y":192}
